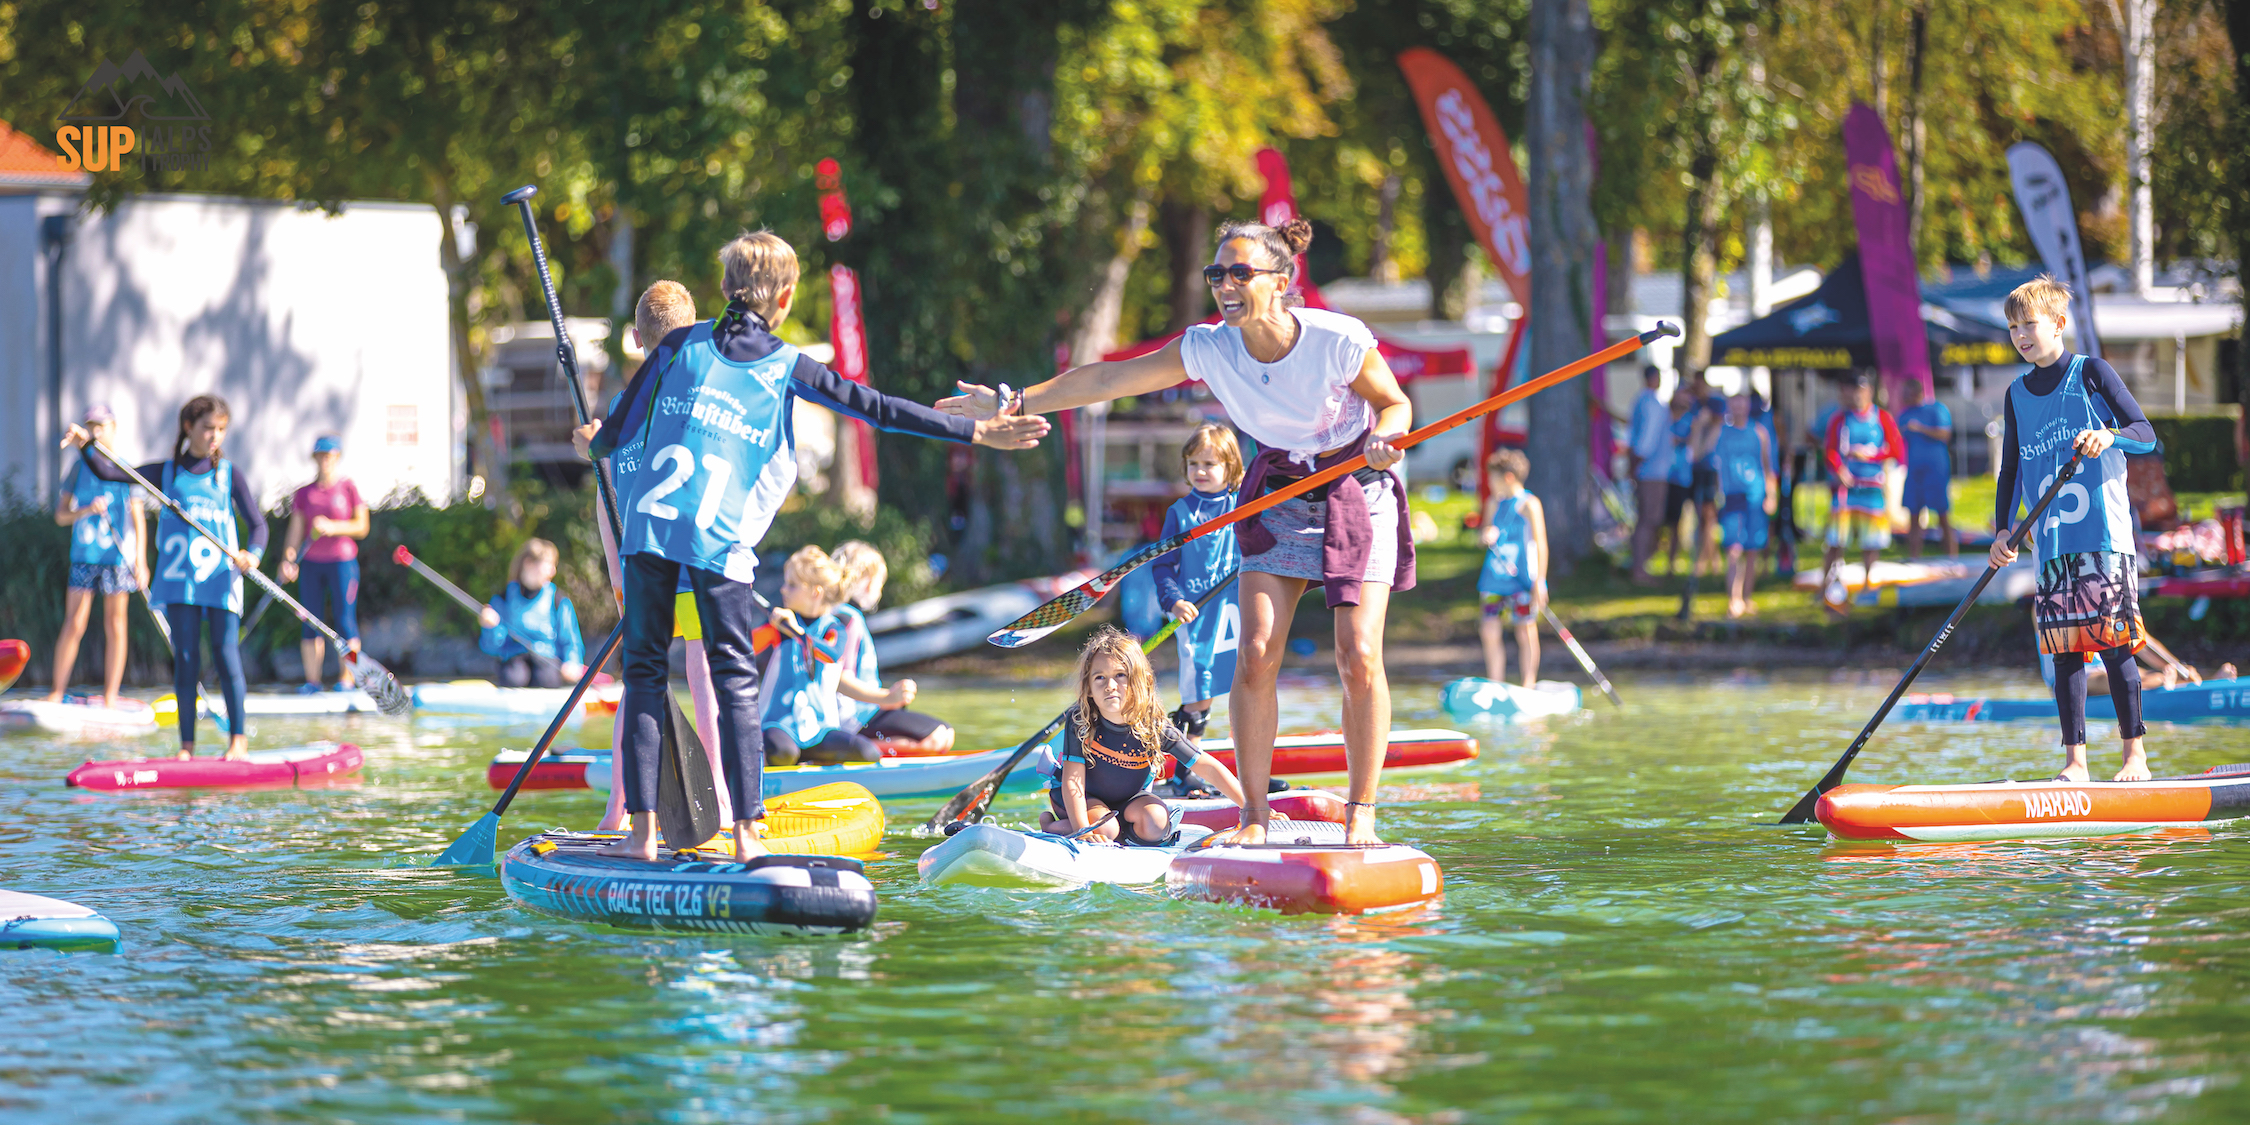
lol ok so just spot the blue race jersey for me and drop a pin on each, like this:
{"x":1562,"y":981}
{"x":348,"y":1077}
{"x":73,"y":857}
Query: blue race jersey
{"x":546,"y":619}
{"x":2092,"y":512}
{"x":1925,"y":454}
{"x":799,"y":696}
{"x":191,"y":570}
{"x":1683,"y":463}
{"x":1507,"y":562}
{"x":711,"y":483}
{"x":98,"y":539}
{"x":1742,"y":463}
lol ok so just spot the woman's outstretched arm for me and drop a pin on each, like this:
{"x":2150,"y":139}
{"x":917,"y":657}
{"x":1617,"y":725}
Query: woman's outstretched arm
{"x":1079,"y":386}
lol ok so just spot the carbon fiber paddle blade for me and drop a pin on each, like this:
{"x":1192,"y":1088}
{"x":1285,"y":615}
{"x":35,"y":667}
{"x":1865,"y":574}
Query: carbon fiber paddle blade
{"x":378,"y":683}
{"x":475,"y":847}
{"x":1802,"y":811}
{"x":1066,"y":606}
{"x":687,"y":800}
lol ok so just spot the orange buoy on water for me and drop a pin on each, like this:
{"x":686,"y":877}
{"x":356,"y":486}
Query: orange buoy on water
{"x":1308,"y":878}
{"x":13,"y":656}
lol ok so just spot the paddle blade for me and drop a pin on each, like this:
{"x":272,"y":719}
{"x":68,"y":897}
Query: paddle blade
{"x":1802,"y":811}
{"x":13,"y":656}
{"x":1066,"y":606}
{"x":475,"y":847}
{"x":687,"y":800}
{"x":379,"y":684}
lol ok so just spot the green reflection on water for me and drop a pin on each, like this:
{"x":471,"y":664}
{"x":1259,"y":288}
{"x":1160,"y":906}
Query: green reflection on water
{"x":1623,"y":938}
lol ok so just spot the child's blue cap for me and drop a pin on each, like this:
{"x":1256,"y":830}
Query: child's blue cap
{"x":327,"y":443}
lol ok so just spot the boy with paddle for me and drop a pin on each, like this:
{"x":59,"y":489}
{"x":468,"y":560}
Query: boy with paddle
{"x":2088,"y":597}
{"x":711,"y":408}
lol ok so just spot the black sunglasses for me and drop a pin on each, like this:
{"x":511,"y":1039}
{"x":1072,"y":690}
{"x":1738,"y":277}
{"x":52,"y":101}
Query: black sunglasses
{"x":1240,"y":272}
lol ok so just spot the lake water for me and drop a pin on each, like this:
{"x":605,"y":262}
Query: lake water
{"x":1624,"y":937}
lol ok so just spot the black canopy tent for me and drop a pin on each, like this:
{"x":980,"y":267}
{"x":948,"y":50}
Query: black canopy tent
{"x":1828,"y":330}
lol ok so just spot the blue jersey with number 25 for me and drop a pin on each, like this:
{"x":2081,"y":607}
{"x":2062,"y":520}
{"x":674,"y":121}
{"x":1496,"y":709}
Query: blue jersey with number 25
{"x":709,"y":484}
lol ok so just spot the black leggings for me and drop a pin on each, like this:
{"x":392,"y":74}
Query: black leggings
{"x":901,"y":724}
{"x":526,"y":670}
{"x":2124,"y":691}
{"x":188,"y":623}
{"x":835,"y":746}
{"x":730,"y":613}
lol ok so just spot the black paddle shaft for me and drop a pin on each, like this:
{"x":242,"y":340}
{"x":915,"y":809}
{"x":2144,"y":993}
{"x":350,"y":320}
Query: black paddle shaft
{"x":1802,"y":811}
{"x":565,"y":353}
{"x":577,"y":693}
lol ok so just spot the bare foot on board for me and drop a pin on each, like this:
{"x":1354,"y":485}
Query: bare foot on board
{"x":747,"y":846}
{"x":2072,"y":773}
{"x":640,"y":844}
{"x":2136,"y":767}
{"x":1359,"y":825}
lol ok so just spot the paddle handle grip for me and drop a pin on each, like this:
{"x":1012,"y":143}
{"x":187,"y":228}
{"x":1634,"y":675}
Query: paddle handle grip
{"x":1566,"y":372}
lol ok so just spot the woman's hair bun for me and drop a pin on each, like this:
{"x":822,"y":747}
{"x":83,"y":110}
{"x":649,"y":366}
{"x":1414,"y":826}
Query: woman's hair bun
{"x":1298,"y":234}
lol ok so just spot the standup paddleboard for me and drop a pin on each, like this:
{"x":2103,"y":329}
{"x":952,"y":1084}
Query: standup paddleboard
{"x":292,"y":765}
{"x":36,"y":922}
{"x":484,"y":699}
{"x":76,"y":715}
{"x":891,"y":777}
{"x":988,"y":855}
{"x":2211,"y":699}
{"x":2017,"y":810}
{"x":1477,"y":698}
{"x":1308,"y":879}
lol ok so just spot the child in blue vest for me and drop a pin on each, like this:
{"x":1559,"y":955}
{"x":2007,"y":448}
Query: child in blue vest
{"x":885,"y":719}
{"x":1207,"y":639}
{"x":1746,"y":497}
{"x":807,"y":705}
{"x":107,"y":559}
{"x":199,"y":583}
{"x":1514,"y":580}
{"x":533,"y":609}
{"x":711,"y":406}
{"x":1928,"y":428}
{"x":1862,"y":439}
{"x":2088,"y":597}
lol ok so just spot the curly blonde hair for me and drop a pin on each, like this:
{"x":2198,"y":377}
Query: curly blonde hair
{"x":865,"y":572}
{"x":1144,"y":712}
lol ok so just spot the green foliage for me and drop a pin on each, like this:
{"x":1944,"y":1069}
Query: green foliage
{"x":904,"y":541}
{"x":2199,"y":452}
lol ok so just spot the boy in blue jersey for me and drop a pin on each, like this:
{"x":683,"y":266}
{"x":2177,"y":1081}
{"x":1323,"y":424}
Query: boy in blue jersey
{"x":1746,"y":497}
{"x":1207,"y":638}
{"x":1513,"y":583}
{"x":1928,"y":427}
{"x":711,"y":407}
{"x":2088,"y":597}
{"x":1862,"y":440}
{"x":107,"y":559}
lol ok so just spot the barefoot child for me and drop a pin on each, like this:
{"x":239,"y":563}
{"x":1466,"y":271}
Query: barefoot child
{"x":326,"y":569}
{"x":1514,"y":580}
{"x":1111,"y":741}
{"x":106,"y":558}
{"x":1212,"y":459}
{"x":533,"y":609}
{"x":2088,"y":597}
{"x":1746,"y":490}
{"x":711,"y":405}
{"x":200,"y":584}
{"x":1862,"y":438}
{"x":865,"y":573}
{"x":807,"y":699}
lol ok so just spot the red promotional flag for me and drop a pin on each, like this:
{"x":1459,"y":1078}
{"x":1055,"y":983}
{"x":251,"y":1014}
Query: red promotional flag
{"x":1276,"y":207}
{"x":1474,"y":153}
{"x":847,"y":332}
{"x":1886,"y":261}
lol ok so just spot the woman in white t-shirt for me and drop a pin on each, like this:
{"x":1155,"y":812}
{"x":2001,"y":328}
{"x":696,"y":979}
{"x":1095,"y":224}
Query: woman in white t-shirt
{"x":1312,"y":389}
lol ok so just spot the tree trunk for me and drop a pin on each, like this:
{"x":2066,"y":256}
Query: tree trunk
{"x":484,"y":456}
{"x":1382,"y":268}
{"x":1917,"y":45}
{"x":1095,"y":334}
{"x":1446,"y":231}
{"x":1698,"y":264}
{"x":2140,"y":138}
{"x":1186,"y":229}
{"x":1563,"y":238}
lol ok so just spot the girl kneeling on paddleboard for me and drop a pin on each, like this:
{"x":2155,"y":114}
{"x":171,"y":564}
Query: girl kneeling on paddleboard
{"x":1311,"y":389}
{"x":198,"y":583}
{"x":1111,"y":742}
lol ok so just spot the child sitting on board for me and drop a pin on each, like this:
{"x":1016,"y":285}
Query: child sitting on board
{"x":807,"y":699}
{"x":1514,"y":579}
{"x":534,"y":609}
{"x":1746,"y":492}
{"x":865,"y":573}
{"x":1208,"y":638}
{"x":1111,"y":741}
{"x":2088,"y":597}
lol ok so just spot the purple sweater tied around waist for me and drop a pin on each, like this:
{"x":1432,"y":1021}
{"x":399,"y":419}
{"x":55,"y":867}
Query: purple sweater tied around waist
{"x":1349,"y":534}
